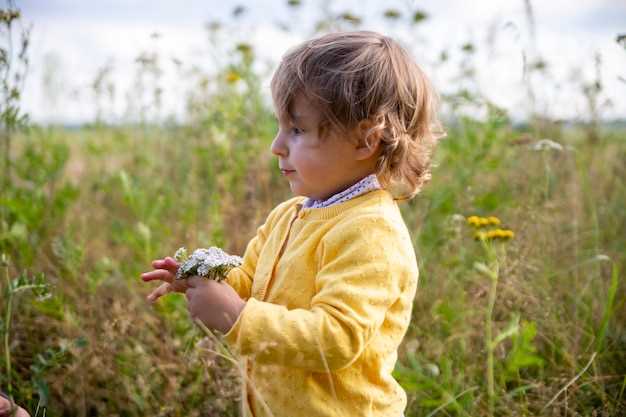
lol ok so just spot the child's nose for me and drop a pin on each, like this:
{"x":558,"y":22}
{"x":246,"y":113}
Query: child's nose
{"x":278,"y":146}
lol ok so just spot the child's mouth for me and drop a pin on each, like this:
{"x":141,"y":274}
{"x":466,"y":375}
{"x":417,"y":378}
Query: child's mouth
{"x":287,"y":171}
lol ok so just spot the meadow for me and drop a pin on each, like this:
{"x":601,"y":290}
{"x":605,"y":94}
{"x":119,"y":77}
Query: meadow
{"x":528,"y":325}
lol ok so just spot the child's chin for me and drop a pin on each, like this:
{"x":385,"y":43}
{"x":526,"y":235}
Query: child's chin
{"x":295,"y":189}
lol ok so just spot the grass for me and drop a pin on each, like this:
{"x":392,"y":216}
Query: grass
{"x":558,"y":297}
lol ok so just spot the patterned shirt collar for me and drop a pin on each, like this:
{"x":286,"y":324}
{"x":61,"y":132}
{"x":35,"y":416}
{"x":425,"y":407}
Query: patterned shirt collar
{"x":365,"y":185}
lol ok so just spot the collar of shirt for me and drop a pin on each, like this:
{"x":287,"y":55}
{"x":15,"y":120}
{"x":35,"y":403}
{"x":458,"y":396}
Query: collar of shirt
{"x":365,"y":185}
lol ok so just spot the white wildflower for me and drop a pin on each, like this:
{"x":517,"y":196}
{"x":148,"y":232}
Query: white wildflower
{"x":212,"y":263}
{"x":432,"y":369}
{"x":457,"y":218}
{"x":181,"y":254}
{"x":546,"y":144}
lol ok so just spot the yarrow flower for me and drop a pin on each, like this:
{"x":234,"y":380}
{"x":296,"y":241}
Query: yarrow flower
{"x":546,"y":144}
{"x":212,"y":263}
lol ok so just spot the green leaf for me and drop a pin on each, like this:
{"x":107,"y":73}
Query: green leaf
{"x":392,"y":14}
{"x":511,"y":329}
{"x":468,"y":48}
{"x":42,"y":390}
{"x":484,"y":269}
{"x":18,"y":231}
{"x":419,"y":16}
{"x":608,"y":309}
{"x":523,"y":353}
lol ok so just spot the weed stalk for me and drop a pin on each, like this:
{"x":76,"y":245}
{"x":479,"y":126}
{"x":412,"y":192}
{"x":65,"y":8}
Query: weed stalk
{"x":491,"y":270}
{"x":7,"y":324}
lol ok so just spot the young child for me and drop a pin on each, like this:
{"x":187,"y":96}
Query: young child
{"x":324,"y":295}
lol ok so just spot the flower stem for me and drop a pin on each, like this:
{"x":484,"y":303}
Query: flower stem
{"x":489,"y":344}
{"x":493,"y":275}
{"x":7,"y":327}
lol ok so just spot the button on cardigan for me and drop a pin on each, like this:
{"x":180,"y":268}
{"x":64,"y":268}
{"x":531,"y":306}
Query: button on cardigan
{"x":329,"y":296}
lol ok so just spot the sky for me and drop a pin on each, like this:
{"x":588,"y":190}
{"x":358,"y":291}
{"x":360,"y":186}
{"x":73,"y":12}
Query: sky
{"x":71,"y":40}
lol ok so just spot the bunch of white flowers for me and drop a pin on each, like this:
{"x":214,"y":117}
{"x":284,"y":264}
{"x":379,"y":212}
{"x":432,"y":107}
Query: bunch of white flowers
{"x":212,"y":263}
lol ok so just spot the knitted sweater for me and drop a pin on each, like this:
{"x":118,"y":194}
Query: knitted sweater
{"x":329,"y":297}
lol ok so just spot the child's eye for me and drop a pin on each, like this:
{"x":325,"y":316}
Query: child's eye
{"x":296,"y":131}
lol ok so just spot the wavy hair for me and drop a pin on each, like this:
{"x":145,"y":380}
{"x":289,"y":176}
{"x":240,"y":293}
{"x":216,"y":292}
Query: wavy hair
{"x":365,"y":76}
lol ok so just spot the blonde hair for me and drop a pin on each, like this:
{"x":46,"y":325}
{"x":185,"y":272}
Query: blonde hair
{"x":356,"y":76}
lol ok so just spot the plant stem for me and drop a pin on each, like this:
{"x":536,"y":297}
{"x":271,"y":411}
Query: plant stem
{"x":548,"y":171}
{"x":494,"y":272}
{"x":488,"y":343}
{"x":7,"y":328}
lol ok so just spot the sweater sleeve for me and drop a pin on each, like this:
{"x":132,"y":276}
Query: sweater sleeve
{"x":363,"y":269}
{"x":240,"y":278}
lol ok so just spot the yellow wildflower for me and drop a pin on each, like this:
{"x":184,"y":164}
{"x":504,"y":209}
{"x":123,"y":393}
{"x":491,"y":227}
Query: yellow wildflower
{"x":493,"y":220}
{"x":504,"y":234}
{"x":495,"y":234}
{"x":232,"y":77}
{"x":480,"y":235}
{"x":478,"y":221}
{"x":473,"y":220}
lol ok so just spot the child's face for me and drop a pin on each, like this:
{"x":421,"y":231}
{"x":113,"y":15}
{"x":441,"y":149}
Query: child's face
{"x":314,"y":167}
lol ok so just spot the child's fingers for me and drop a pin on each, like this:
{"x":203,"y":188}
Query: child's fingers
{"x":157,"y":263}
{"x":158,"y":274}
{"x":168,"y":263}
{"x":179,"y":285}
{"x":160,"y":291}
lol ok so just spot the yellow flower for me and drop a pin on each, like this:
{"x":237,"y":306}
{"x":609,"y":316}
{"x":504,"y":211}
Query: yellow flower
{"x":509,"y":234}
{"x":493,"y":220}
{"x":477,"y":221}
{"x":473,"y":220}
{"x":481,"y":222}
{"x":480,"y":235}
{"x":232,"y":77}
{"x":504,"y":234}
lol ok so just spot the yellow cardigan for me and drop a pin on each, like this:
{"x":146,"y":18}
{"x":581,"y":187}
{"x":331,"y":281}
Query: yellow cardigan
{"x":329,"y":297}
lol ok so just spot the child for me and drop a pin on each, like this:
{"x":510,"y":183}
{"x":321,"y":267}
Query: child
{"x":324,"y":295}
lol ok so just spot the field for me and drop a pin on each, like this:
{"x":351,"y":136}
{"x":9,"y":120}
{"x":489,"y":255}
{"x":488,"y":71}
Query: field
{"x":533,"y":325}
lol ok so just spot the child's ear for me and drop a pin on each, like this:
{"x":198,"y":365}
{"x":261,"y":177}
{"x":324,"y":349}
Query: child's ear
{"x":369,"y":135}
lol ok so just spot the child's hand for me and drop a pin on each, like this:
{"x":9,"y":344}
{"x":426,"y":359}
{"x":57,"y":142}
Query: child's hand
{"x":166,"y":271}
{"x":7,"y":408}
{"x":216,"y":304}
